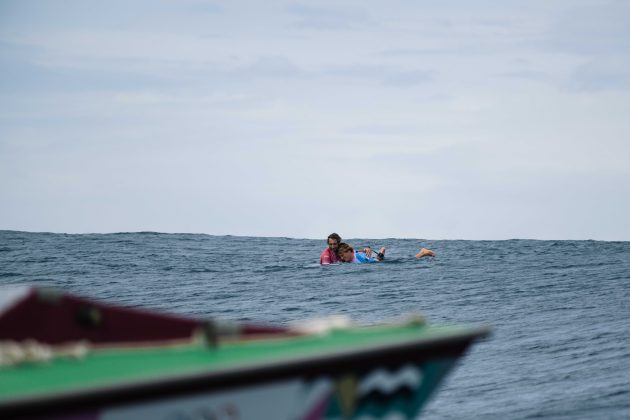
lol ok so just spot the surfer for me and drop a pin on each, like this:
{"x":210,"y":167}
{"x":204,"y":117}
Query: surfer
{"x":329,"y":255}
{"x":347,"y":254}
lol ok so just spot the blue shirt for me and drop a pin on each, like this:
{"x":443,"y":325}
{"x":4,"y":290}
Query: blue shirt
{"x":361,"y":258}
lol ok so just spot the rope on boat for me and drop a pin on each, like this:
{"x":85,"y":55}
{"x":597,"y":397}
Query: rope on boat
{"x":30,"y":351}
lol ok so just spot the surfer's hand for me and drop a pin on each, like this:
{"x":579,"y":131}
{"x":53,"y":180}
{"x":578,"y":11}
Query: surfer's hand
{"x":368,"y":251}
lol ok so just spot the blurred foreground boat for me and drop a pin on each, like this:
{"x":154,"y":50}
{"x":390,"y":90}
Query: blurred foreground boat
{"x":66,"y":357}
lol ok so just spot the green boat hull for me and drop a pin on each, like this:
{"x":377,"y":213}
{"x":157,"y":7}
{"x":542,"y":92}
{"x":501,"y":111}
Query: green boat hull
{"x":356,"y":372}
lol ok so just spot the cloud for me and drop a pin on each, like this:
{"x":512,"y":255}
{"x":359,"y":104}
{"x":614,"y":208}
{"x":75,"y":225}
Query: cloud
{"x":530,"y":75}
{"x":322,"y":18}
{"x":271,"y":67}
{"x":381,"y":74}
{"x":602,"y":73}
{"x":408,"y":78}
{"x":591,"y":29}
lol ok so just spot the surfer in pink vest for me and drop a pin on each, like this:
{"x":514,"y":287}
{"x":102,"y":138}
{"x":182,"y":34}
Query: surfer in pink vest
{"x":329,"y":255}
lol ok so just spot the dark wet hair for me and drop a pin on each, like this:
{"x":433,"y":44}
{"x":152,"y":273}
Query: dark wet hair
{"x":335,"y":237}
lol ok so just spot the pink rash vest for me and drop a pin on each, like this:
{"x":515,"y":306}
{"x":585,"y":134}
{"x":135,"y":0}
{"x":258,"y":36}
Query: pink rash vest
{"x":328,"y":257}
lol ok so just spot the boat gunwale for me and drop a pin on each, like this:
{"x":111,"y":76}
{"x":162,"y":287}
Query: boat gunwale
{"x":331,"y":362}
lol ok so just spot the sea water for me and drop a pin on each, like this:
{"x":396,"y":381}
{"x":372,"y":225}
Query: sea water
{"x":560,"y":310}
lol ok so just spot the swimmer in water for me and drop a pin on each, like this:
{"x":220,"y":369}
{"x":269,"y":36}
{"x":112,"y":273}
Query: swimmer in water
{"x":348,"y":254}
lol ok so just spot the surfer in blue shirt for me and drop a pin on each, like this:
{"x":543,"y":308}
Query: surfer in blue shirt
{"x":348,"y":254}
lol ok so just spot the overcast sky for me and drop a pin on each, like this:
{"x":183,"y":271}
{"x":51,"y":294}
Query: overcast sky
{"x":409,"y":119}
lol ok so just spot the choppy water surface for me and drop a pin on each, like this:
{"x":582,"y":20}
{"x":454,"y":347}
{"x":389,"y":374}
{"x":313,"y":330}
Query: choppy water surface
{"x":560,"y":309}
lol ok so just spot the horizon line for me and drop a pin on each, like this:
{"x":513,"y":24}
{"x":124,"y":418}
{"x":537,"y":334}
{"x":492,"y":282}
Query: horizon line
{"x":306,"y":238}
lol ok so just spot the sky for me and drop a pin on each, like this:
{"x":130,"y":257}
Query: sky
{"x":455,"y":119}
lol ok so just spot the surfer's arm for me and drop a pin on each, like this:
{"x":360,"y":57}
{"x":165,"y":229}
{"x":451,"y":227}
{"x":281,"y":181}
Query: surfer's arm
{"x":424,"y":252}
{"x":380,"y":256}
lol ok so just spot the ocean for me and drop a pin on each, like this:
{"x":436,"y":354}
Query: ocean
{"x":560,"y":310}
